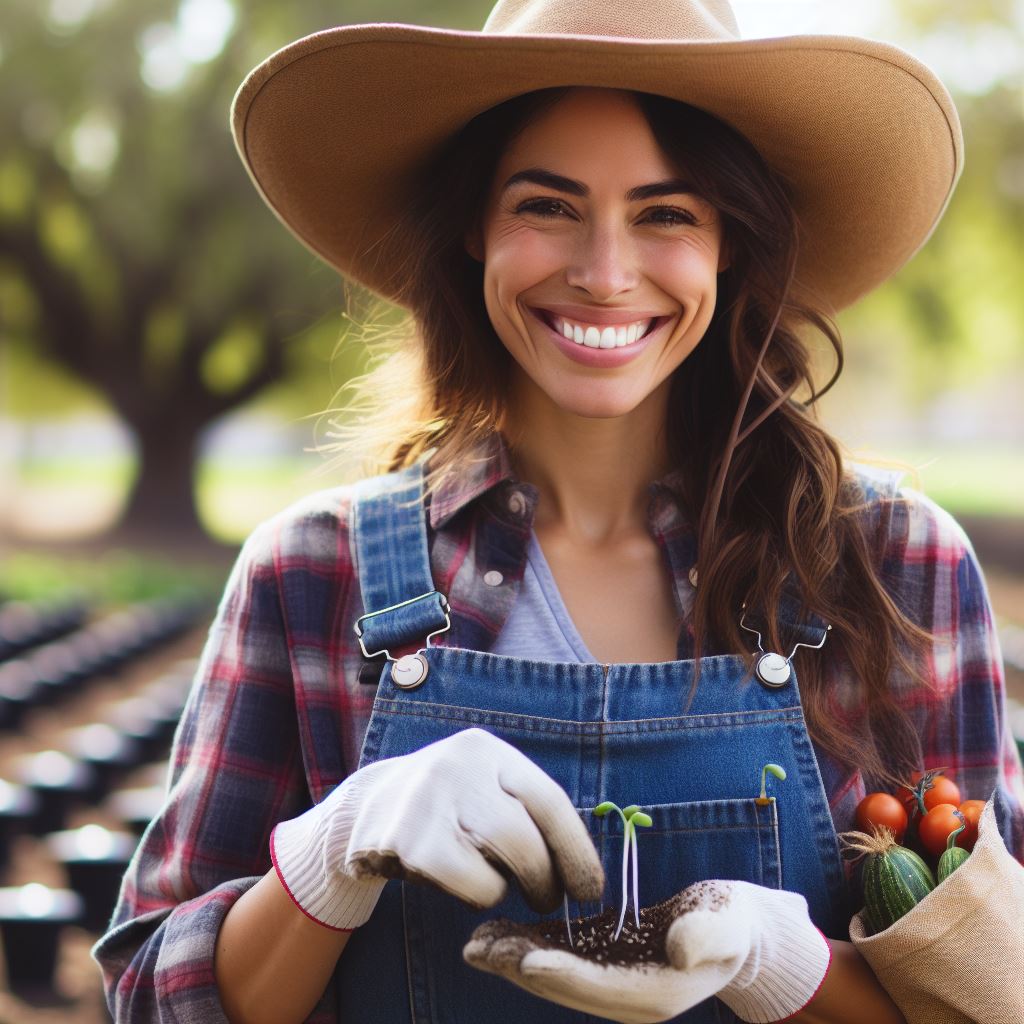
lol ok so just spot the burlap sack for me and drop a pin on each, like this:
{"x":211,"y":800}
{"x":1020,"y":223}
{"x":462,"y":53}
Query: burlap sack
{"x":958,"y":956}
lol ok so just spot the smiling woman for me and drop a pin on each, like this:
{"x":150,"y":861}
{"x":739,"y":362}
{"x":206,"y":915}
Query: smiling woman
{"x":616,"y":230}
{"x":666,"y":218}
{"x":599,"y":255}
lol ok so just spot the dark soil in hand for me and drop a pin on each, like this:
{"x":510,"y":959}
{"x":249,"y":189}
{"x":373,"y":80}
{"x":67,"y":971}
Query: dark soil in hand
{"x":592,"y":936}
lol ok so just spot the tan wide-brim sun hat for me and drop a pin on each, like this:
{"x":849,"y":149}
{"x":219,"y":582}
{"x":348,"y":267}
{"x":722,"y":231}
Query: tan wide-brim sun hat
{"x":334,"y":127}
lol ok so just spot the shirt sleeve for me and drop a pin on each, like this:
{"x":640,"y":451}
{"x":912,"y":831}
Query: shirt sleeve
{"x":962,"y":716}
{"x":235,"y":771}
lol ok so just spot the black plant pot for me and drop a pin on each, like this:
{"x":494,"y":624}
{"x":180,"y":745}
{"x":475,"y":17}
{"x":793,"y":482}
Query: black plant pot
{"x":31,"y":919}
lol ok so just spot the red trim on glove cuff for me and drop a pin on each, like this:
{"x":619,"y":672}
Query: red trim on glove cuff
{"x":287,"y":889}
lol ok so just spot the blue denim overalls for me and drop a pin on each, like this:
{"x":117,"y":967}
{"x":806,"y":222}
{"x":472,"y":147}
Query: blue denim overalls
{"x":619,"y":732}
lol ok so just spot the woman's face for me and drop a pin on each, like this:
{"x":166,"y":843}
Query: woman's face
{"x":599,"y":266}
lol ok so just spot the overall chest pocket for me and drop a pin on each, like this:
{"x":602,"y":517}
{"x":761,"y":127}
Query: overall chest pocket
{"x":694,"y":841}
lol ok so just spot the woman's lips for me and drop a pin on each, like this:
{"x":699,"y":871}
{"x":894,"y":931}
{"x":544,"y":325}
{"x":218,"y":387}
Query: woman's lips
{"x":601,"y":357}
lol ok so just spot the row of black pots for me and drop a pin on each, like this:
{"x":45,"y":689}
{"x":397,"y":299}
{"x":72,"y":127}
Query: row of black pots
{"x":46,"y":786}
{"x":45,"y":675}
{"x":33,"y":916}
{"x":26,"y":624}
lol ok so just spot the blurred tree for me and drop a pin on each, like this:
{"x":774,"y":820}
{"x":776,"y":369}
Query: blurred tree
{"x":956,"y":311}
{"x":133,"y":251}
{"x":135,"y":254}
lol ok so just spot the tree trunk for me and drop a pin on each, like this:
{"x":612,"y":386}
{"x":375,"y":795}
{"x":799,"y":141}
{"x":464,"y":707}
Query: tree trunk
{"x":162,"y":504}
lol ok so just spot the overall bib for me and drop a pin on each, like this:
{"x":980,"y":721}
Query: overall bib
{"x":620,"y":732}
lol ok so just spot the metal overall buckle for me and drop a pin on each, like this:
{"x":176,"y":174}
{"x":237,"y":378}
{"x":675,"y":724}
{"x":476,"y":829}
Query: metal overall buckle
{"x":410,"y":670}
{"x":773,"y":669}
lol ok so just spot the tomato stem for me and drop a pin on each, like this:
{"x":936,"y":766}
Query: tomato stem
{"x":951,"y":838}
{"x":926,"y":782}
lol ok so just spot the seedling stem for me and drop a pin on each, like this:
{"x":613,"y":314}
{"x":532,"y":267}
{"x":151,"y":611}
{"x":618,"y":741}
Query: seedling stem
{"x":631,"y":817}
{"x":779,"y":772}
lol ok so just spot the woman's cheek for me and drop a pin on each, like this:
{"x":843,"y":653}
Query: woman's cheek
{"x":517,"y":237}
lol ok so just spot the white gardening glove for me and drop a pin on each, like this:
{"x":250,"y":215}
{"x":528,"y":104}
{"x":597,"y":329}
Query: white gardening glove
{"x":753,"y":947}
{"x":462,"y":813}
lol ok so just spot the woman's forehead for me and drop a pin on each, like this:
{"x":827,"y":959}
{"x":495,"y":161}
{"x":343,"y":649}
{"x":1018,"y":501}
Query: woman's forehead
{"x":601,"y":131}
{"x":592,"y":109}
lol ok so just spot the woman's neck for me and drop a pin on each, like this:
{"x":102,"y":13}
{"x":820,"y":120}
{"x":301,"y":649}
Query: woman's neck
{"x":592,"y":474}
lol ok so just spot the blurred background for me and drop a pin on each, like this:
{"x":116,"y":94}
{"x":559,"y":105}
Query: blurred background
{"x":170,"y":363}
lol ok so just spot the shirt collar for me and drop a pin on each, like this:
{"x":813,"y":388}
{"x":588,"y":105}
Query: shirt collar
{"x":490,"y":465}
{"x":487,"y":466}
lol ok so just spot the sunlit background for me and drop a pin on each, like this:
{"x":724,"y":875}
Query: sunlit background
{"x":169,"y":352}
{"x":170,"y":357}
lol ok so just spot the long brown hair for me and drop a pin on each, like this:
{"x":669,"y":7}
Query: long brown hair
{"x":764,"y":483}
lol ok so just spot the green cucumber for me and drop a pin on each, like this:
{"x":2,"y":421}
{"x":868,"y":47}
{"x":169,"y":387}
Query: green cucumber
{"x":953,"y":856}
{"x":894,"y":883}
{"x":894,"y":879}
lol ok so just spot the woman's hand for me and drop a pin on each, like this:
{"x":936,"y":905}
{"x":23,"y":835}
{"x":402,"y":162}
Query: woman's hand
{"x":464,"y":813}
{"x":753,"y":947}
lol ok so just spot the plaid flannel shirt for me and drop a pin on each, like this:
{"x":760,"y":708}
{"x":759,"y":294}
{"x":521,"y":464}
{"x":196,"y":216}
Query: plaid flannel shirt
{"x":277,"y":713}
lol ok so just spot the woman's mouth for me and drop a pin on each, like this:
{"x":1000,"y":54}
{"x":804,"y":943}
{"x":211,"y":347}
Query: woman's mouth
{"x":599,"y":336}
{"x":600,"y":344}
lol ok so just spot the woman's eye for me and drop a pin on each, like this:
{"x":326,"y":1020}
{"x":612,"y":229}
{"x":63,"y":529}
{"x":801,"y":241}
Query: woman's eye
{"x":542,"y":207}
{"x":671,"y":215}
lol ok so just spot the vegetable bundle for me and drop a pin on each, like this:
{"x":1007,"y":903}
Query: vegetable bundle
{"x":937,"y":831}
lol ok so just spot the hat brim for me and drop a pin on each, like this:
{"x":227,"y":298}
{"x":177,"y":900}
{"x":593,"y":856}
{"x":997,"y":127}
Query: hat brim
{"x":334,"y":127}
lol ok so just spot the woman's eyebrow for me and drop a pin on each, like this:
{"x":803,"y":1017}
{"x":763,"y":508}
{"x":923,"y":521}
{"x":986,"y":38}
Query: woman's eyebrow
{"x":548,"y":179}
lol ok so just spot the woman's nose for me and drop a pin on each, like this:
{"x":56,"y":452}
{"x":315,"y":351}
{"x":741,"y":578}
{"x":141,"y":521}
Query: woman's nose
{"x":603,"y":264}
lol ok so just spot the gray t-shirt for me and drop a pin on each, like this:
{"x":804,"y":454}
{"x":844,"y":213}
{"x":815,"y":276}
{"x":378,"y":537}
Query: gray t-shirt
{"x":538,"y":626}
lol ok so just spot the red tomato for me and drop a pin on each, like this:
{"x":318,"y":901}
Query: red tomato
{"x":943,"y":791}
{"x":882,"y":809}
{"x":935,"y":827}
{"x":971,"y":810}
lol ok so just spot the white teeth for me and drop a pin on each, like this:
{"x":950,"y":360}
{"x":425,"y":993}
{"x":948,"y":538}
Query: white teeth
{"x":604,"y":337}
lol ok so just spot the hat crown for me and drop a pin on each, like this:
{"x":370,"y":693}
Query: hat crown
{"x":697,"y":20}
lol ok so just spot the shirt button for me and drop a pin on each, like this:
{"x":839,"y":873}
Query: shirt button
{"x":493,"y":578}
{"x":516,"y":503}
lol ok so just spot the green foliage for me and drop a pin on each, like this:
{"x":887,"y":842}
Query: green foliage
{"x":232,"y":358}
{"x":119,"y":577}
{"x":15,"y":189}
{"x":33,"y":388}
{"x":163,"y":343}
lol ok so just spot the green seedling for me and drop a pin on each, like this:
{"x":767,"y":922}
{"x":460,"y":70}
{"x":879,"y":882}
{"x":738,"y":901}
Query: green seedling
{"x":779,"y":772}
{"x":631,"y":817}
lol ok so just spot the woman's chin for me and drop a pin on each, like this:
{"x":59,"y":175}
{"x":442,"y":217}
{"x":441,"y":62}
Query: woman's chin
{"x":597,"y":400}
{"x":595,"y":405}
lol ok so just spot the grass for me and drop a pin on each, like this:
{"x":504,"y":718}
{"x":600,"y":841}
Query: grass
{"x":231,"y":497}
{"x":969,"y":481}
{"x":234,"y":497}
{"x":117,"y":577}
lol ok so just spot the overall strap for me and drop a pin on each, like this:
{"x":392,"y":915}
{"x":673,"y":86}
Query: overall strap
{"x":389,"y":530}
